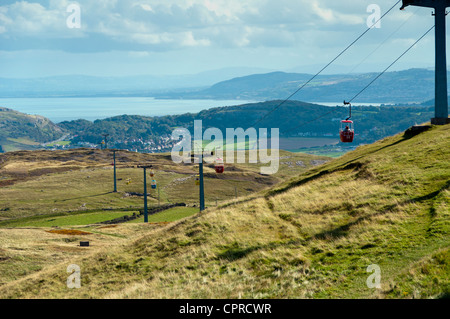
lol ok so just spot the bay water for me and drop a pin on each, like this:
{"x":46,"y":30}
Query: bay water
{"x":59,"y":109}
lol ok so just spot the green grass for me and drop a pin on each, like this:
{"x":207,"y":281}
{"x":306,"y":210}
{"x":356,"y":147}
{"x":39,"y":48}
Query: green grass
{"x":24,"y":141}
{"x":60,"y":143}
{"x":66,"y":220}
{"x":169,"y":215}
{"x":321,"y":151}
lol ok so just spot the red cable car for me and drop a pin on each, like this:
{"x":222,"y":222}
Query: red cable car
{"x":347,"y":133}
{"x":219,"y":166}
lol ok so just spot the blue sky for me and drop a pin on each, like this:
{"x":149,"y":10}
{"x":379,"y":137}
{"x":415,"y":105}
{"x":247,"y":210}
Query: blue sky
{"x":136,"y":37}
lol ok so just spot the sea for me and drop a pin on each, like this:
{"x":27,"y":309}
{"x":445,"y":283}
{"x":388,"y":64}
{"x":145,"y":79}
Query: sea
{"x":59,"y":109}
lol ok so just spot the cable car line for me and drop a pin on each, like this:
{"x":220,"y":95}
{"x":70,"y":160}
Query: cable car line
{"x":382,"y":43}
{"x":365,"y":88}
{"x":385,"y":70}
{"x":326,"y":66}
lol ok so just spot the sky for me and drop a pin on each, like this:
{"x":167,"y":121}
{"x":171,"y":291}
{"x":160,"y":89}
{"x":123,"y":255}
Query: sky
{"x":171,"y":37}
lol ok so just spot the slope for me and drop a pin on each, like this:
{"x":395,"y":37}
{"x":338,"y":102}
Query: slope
{"x":20,"y":131}
{"x":311,"y":237}
{"x":35,"y":183}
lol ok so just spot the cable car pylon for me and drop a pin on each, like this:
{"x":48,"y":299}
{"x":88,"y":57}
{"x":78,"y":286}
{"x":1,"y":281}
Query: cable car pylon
{"x":219,"y":168}
{"x":441,"y":97}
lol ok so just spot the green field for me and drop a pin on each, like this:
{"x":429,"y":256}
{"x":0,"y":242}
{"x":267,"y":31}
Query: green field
{"x":323,"y":151}
{"x":24,"y":141}
{"x":291,"y":144}
{"x":67,"y":219}
{"x":60,"y":143}
{"x":169,"y":215}
{"x":88,"y":218}
{"x":320,"y":146}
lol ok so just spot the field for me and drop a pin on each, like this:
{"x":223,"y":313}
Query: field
{"x":295,"y":143}
{"x":291,"y":144}
{"x":79,"y":180}
{"x":68,"y":191}
{"x":306,"y":234}
{"x":170,"y":215}
{"x":328,"y":151}
{"x":60,"y":143}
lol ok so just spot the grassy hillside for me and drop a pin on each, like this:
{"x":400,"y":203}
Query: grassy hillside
{"x":19,"y":131}
{"x":34,"y":183}
{"x":42,"y":191}
{"x":312,"y":236}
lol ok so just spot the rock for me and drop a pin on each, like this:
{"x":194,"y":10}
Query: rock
{"x":317,"y":162}
{"x":300,"y":163}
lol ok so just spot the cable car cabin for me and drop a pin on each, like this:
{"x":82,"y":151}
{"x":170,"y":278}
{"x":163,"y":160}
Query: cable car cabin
{"x":347,"y":133}
{"x":153,"y":184}
{"x":152,"y":173}
{"x":219,"y":166}
{"x":197,"y":180}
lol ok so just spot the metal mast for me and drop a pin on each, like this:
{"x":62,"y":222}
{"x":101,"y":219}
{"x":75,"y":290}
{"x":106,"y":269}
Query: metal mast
{"x":441,"y":96}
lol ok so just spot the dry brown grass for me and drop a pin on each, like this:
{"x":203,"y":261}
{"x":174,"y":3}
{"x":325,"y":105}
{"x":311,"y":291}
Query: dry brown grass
{"x":311,"y":238}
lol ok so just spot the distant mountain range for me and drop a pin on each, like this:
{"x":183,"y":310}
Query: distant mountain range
{"x":141,"y":85}
{"x":409,"y":86}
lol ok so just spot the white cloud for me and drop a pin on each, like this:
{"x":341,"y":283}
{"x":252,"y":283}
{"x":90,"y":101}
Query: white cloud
{"x":190,"y":41}
{"x":192,"y":22}
{"x":325,"y":14}
{"x":264,"y":33}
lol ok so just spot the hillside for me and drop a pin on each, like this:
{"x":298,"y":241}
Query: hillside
{"x":71,"y":191}
{"x":56,"y":182}
{"x":408,"y":86}
{"x":313,"y":236}
{"x":20,"y":131}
